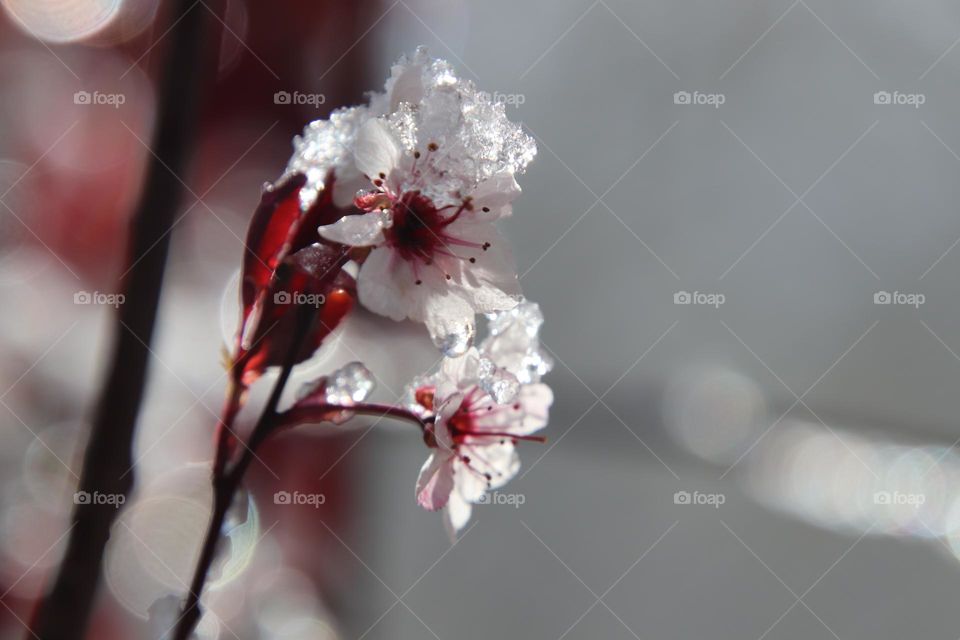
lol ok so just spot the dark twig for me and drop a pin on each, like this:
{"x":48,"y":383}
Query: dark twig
{"x":64,"y":613}
{"x":227,"y":481}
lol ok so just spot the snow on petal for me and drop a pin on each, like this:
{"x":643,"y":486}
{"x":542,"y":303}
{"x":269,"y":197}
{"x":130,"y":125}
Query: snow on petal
{"x":327,"y":145}
{"x":357,"y":230}
{"x":450,"y":321}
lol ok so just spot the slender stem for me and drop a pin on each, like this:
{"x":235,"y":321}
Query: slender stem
{"x":64,"y":613}
{"x":224,"y":435}
{"x":304,"y":415}
{"x":226,"y":482}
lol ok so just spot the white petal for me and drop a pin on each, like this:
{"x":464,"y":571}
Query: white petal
{"x":469,"y":484}
{"x":348,"y":181}
{"x":458,"y":513}
{"x":535,"y":400}
{"x":498,"y":460}
{"x":491,"y":283}
{"x":377,"y":151}
{"x":362,"y":230}
{"x":496,"y":194}
{"x":441,"y":430}
{"x":461,"y":372}
{"x":386,"y":286}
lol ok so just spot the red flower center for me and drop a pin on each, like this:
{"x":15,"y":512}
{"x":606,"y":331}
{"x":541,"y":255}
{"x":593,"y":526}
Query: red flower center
{"x":417,"y":233}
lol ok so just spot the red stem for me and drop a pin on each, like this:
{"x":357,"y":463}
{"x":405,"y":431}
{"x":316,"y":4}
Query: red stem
{"x":317,"y":413}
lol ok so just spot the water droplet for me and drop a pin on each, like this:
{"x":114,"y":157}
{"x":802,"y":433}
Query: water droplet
{"x":534,"y":365}
{"x":458,"y":342}
{"x":349,"y":385}
{"x":526,"y":315}
{"x":502,"y":385}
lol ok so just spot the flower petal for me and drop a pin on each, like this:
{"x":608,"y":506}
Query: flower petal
{"x":490,"y":283}
{"x":458,"y":513}
{"x":495,"y":194}
{"x":386,"y":286}
{"x":435,"y":482}
{"x":535,"y":400}
{"x":377,"y":151}
{"x":363,"y":230}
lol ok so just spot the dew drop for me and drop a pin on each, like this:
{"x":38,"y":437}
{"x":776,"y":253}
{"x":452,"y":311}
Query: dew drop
{"x":349,"y":385}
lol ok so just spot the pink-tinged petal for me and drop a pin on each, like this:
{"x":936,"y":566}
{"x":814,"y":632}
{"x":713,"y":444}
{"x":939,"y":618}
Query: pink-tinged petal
{"x":435,"y":482}
{"x":363,"y":230}
{"x":377,"y":151}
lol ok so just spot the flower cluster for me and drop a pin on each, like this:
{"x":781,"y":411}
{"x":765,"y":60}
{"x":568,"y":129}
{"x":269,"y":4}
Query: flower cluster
{"x":408,"y":188}
{"x":404,"y":192}
{"x":481,"y":405}
{"x":428,"y":167}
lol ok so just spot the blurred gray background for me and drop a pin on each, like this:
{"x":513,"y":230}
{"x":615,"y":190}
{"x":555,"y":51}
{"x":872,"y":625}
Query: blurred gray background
{"x":798,"y":198}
